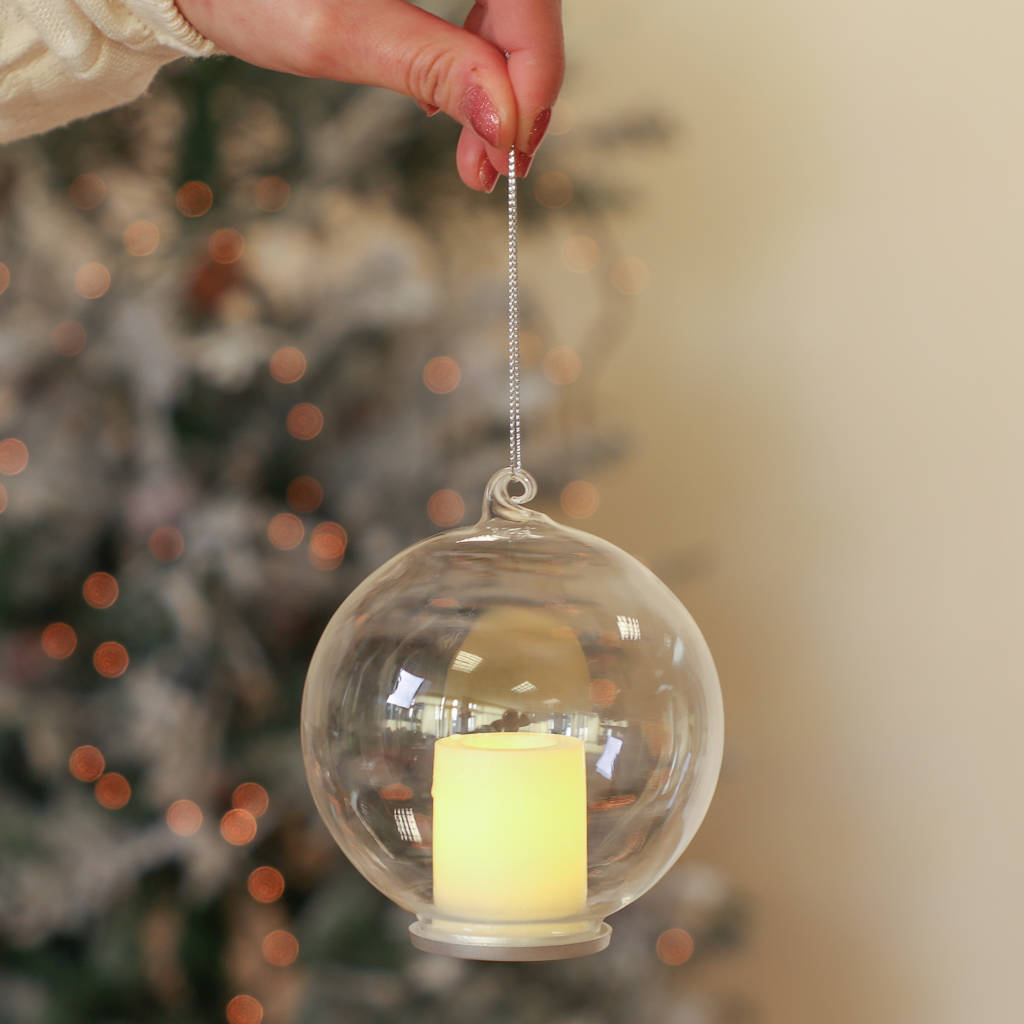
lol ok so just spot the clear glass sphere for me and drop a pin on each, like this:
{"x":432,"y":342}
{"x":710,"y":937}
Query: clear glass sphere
{"x":512,"y":730}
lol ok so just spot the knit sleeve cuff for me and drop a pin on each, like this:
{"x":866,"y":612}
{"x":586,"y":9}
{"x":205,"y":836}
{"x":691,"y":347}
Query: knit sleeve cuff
{"x":170,"y":27}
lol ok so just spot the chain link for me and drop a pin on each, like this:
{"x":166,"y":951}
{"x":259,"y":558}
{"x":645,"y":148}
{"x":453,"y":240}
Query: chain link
{"x":515,"y":438}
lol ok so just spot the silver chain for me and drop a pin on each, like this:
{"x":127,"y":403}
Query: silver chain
{"x":515,"y":437}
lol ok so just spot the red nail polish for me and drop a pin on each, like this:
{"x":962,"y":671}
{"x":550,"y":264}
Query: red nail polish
{"x":522,"y":164}
{"x":487,"y":174}
{"x":540,"y":126}
{"x":482,"y":114}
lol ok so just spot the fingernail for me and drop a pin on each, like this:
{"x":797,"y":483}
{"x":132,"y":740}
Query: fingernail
{"x":482,"y":114}
{"x":522,"y":164}
{"x":428,"y":108}
{"x":540,"y":126}
{"x":488,"y":175}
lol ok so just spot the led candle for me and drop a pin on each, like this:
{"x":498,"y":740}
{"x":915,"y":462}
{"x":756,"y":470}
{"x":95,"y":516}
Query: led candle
{"x":510,"y":827}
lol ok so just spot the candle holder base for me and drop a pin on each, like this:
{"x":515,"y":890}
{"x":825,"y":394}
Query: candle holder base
{"x":466,"y":947}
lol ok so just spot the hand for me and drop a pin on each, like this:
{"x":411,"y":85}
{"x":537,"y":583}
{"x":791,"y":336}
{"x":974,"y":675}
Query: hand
{"x":500,"y":102}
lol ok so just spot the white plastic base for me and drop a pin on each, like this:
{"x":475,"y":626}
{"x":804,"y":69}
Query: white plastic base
{"x":431,"y":939}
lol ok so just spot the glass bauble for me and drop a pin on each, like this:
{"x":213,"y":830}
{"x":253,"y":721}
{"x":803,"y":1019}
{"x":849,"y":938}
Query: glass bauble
{"x":512,"y":730}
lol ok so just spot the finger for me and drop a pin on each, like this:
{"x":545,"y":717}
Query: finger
{"x":530,"y":32}
{"x":396,"y":45}
{"x":475,"y":167}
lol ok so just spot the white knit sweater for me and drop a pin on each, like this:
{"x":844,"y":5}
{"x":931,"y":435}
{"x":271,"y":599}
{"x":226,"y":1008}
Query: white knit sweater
{"x":62,"y":59}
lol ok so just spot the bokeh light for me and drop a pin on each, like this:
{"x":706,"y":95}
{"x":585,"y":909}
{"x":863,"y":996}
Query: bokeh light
{"x":244,"y":1010}
{"x":166,"y":544}
{"x":92,"y":280}
{"x":442,"y":375}
{"x":674,"y":947}
{"x":184,"y":817}
{"x":271,"y":194}
{"x":238,"y":827}
{"x":68,"y":338}
{"x":553,"y":189}
{"x":395,"y":792}
{"x":603,"y":692}
{"x":59,"y":640}
{"x":3,"y":499}
{"x":226,"y":245}
{"x":266,"y":884}
{"x":305,"y":421}
{"x":630,"y":276}
{"x":86,"y":763}
{"x":580,"y":253}
{"x":280,"y":948}
{"x":285,"y":531}
{"x":194,"y":198}
{"x":87,"y":191}
{"x":305,"y":494}
{"x":446,"y":508}
{"x":287,"y":365}
{"x":112,"y":791}
{"x":327,"y":545}
{"x":251,"y":797}
{"x":562,"y":366}
{"x":13,"y":456}
{"x":100,"y":590}
{"x":580,"y":499}
{"x":141,"y":238}
{"x":110,"y":659}
{"x":5,"y":278}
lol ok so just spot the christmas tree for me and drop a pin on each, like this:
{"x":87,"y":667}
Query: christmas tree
{"x":252,"y":345}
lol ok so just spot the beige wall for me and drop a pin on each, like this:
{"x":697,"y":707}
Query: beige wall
{"x":824,"y":388}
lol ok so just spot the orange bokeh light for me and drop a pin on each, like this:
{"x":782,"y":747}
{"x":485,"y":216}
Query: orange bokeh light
{"x":446,"y":508}
{"x":562,"y":365}
{"x":194,"y":198}
{"x":285,"y":531}
{"x":305,"y":494}
{"x":581,"y":254}
{"x":166,"y":544}
{"x":251,"y":797}
{"x":580,"y":499}
{"x":238,"y":827}
{"x":305,"y":421}
{"x":110,"y":659}
{"x":184,"y":817}
{"x":244,"y":1010}
{"x":100,"y":590}
{"x":68,"y":338}
{"x":226,"y":245}
{"x":442,"y":375}
{"x":5,"y":277}
{"x":280,"y":948}
{"x":59,"y":640}
{"x":287,"y":365}
{"x":674,"y":947}
{"x":86,"y":763}
{"x":92,"y":280}
{"x":13,"y":456}
{"x":87,"y":191}
{"x":553,"y":189}
{"x":112,"y":791}
{"x":266,"y":884}
{"x":603,"y":692}
{"x":271,"y":194}
{"x":327,"y":545}
{"x":395,"y":791}
{"x":630,"y":276}
{"x":141,"y":237}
